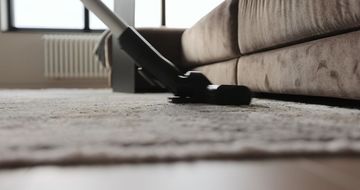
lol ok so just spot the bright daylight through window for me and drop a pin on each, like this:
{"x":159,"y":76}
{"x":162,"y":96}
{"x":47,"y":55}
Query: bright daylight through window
{"x":70,"y":14}
{"x":67,"y":14}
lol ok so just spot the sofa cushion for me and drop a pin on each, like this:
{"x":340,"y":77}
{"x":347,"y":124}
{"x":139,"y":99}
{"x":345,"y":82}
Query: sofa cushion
{"x":327,"y":67}
{"x":214,"y":37}
{"x":266,"y":24}
{"x":221,"y":73}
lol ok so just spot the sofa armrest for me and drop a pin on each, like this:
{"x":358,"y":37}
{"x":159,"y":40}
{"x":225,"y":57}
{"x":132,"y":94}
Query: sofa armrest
{"x":214,"y":37}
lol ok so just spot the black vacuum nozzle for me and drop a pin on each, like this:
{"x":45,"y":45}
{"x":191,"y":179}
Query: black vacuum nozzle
{"x":229,"y":95}
{"x":218,"y":95}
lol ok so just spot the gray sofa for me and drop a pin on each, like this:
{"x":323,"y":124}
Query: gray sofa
{"x":297,"y":47}
{"x":301,"y":47}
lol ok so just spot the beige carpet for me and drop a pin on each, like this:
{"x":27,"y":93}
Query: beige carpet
{"x":100,"y":127}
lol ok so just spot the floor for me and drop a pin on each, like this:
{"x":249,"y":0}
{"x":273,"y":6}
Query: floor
{"x":278,"y":173}
{"x":295,"y":174}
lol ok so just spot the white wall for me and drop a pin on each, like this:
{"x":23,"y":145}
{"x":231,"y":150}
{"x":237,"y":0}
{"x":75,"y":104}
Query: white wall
{"x":21,"y":63}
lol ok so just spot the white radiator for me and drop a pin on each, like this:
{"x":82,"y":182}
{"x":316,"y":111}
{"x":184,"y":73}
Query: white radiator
{"x":71,"y":56}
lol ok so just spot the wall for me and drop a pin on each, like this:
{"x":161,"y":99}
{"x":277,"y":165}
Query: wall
{"x":21,"y":63}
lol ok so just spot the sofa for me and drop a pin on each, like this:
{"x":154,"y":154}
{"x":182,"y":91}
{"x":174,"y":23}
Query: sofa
{"x":302,"y":47}
{"x":296,"y":47}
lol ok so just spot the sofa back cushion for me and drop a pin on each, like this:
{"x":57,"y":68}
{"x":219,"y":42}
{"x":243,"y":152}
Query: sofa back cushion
{"x":267,"y":24}
{"x":214,"y":37}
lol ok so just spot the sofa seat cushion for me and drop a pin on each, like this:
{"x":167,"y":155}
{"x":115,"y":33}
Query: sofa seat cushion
{"x":268,"y":24}
{"x":214,"y":37}
{"x":328,"y":67}
{"x":222,"y":73}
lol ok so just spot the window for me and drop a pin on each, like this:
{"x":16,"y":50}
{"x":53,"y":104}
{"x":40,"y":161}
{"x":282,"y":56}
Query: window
{"x":53,"y":14}
{"x":178,"y":13}
{"x":48,"y":14}
{"x":148,"y":13}
{"x":71,"y":14}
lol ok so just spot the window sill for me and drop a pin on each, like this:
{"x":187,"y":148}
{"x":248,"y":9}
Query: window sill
{"x":49,"y":30}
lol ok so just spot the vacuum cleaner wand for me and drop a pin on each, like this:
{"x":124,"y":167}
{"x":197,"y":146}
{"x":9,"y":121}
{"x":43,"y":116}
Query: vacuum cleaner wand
{"x":191,"y":87}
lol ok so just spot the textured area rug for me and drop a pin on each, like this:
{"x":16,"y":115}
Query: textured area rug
{"x":100,"y":127}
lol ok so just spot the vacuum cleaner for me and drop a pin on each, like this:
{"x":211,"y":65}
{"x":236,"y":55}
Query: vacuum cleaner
{"x":190,"y":87}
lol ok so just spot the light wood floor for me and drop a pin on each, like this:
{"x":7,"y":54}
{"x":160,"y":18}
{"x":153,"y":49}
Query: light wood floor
{"x":289,"y":174}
